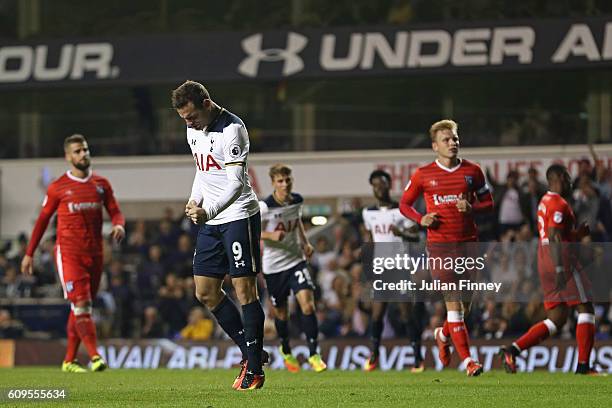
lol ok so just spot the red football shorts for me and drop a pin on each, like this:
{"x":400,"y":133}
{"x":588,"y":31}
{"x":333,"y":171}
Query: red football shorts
{"x":447,"y":261}
{"x":577,"y":285}
{"x":79,"y":274}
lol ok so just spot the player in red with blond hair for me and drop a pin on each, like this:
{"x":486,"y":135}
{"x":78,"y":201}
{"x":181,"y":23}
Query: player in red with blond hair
{"x":78,"y":196}
{"x":454,"y":189}
{"x":564,"y":283}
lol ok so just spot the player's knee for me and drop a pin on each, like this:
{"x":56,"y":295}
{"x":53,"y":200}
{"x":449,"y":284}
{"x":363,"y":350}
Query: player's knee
{"x":558,"y":319}
{"x":246,"y":293}
{"x":378,"y":311}
{"x":308,"y":308}
{"x":586,"y":308}
{"x":280,"y":313}
{"x":209,"y":299}
{"x":552,"y":326}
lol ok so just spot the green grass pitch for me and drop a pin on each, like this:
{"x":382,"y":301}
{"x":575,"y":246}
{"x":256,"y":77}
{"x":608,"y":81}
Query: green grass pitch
{"x":212,"y":388}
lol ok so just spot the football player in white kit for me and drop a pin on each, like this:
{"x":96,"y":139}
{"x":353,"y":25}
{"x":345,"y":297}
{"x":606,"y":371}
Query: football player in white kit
{"x":286,"y":248}
{"x":223,"y":203}
{"x":386,"y":224}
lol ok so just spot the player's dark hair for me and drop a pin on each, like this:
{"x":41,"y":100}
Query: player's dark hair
{"x":556,"y":169}
{"x":189,"y":91}
{"x":380,"y":173}
{"x":279,"y":169}
{"x":76,"y":138}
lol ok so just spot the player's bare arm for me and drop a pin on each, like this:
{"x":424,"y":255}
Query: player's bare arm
{"x":190,"y":204}
{"x":554,"y":237}
{"x":27,"y":264}
{"x":406,"y":234}
{"x":197,"y":215}
{"x":430,"y":220}
{"x":463,"y":205}
{"x":273,"y":235}
{"x":117,"y":233}
{"x":306,"y":245}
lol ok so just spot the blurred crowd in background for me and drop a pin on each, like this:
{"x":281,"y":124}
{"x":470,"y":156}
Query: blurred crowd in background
{"x":72,"y":17}
{"x":147,"y":289}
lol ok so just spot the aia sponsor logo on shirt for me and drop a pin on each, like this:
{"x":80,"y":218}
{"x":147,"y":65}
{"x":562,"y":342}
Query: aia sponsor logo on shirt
{"x":383,"y":229}
{"x":445,"y":199}
{"x":291,"y":225}
{"x":203,"y":165}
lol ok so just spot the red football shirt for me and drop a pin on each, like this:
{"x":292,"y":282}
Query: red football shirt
{"x":442,"y":188}
{"x":78,"y":203}
{"x":554,"y":212}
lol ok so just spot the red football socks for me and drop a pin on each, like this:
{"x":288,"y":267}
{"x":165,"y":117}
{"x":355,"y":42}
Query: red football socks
{"x":87,"y":331}
{"x":536,"y":334}
{"x":446,"y":329}
{"x":458,"y":333}
{"x":585,"y":336}
{"x":73,"y":338}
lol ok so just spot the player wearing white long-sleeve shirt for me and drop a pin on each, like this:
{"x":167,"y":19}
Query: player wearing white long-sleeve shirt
{"x":223,"y":203}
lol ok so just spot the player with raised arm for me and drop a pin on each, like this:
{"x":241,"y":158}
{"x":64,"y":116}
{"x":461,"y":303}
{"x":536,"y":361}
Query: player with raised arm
{"x":385,"y":223}
{"x":286,"y":249}
{"x":78,"y":197}
{"x":454,"y":189}
{"x":563,"y":282}
{"x":223,"y":203}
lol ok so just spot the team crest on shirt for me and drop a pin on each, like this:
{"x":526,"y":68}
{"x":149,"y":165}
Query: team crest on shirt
{"x":235,"y":151}
{"x":100,"y":190}
{"x":558,"y":217}
{"x":69,"y":286}
{"x":469,"y":180}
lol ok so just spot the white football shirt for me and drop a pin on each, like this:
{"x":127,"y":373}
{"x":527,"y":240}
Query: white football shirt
{"x":281,"y":255}
{"x":378,"y":220}
{"x":224,"y":142}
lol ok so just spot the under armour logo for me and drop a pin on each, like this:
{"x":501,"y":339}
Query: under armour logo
{"x":250,"y":343}
{"x":193,"y":142}
{"x":239,"y":264}
{"x":292,"y":63}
